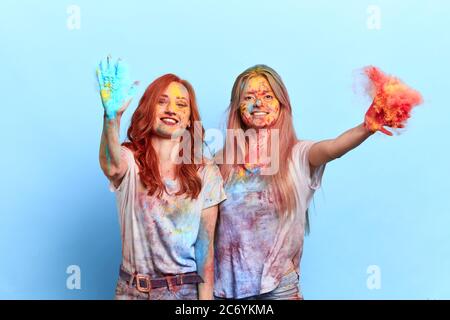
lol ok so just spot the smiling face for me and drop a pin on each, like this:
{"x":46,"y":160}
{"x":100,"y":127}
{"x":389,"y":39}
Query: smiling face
{"x":259,"y":107}
{"x":173,"y":111}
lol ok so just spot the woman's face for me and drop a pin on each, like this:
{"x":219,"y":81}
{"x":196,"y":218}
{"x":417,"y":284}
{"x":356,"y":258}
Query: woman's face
{"x":259,"y":107}
{"x":172,"y":111}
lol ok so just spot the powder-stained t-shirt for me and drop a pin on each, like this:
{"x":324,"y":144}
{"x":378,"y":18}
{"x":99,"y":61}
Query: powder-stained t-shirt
{"x":254,"y":247}
{"x":158,"y":235}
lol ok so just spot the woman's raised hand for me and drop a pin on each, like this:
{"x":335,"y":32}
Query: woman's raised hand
{"x":116,"y":88}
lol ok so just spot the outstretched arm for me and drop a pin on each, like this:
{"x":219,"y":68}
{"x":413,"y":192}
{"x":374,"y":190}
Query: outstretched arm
{"x":391,"y":107}
{"x":327,"y":150}
{"x":116,"y":92}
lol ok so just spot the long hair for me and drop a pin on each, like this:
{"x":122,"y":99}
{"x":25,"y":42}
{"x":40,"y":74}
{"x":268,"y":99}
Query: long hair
{"x":280,"y":183}
{"x":140,"y":132}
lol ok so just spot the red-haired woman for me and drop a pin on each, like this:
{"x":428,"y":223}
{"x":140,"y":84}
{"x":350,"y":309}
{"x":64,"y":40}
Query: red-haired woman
{"x":167,"y":209}
{"x":261,"y":225}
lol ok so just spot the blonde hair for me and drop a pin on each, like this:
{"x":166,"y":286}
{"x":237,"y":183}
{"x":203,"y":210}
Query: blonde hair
{"x":280,"y":183}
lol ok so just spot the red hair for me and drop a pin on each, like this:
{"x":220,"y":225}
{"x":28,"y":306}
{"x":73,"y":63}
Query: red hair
{"x":140,"y":132}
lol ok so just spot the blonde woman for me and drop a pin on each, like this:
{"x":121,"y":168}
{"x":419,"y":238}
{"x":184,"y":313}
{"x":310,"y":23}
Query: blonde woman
{"x":261,"y":225}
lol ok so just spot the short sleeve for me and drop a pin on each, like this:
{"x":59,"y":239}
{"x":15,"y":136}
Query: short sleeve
{"x":129,"y":176}
{"x":301,"y":159}
{"x":213,"y":191}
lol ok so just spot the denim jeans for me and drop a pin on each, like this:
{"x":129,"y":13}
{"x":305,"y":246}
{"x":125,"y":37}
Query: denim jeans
{"x":288,"y":289}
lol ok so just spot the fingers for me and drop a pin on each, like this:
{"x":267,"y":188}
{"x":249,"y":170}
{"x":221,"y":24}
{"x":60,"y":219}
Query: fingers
{"x":101,"y":71}
{"x":103,"y":66}
{"x":121,"y":68}
{"x":107,"y":68}
{"x":99,"y":74}
{"x":130,"y":95}
{"x":132,"y":90}
{"x":108,"y":61}
{"x":124,"y":106}
{"x":382,"y":129}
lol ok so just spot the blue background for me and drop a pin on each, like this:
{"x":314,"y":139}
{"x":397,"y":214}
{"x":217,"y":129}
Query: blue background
{"x":385,"y":203}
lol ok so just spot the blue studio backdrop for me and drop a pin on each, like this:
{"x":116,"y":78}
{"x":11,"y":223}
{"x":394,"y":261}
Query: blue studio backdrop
{"x":380,"y":222}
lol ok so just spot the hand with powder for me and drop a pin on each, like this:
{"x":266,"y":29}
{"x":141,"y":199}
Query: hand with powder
{"x":374,"y":120}
{"x":392,"y":102}
{"x":116,"y":88}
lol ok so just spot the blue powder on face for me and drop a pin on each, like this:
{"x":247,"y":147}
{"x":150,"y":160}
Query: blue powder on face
{"x":250,"y":107}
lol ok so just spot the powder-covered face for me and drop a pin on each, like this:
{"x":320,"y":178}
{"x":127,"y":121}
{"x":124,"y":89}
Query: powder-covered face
{"x":172,"y":111}
{"x":259,"y":107}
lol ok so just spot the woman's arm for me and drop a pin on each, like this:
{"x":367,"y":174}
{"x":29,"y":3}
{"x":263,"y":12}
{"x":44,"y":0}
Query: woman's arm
{"x":116,"y":92}
{"x":328,"y":150}
{"x":204,"y":252}
{"x":111,"y":161}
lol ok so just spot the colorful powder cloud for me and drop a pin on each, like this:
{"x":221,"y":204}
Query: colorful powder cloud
{"x":392,"y":101}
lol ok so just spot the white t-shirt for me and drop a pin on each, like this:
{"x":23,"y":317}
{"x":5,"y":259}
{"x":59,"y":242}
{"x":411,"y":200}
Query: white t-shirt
{"x":253,"y":249}
{"x":159,"y":235}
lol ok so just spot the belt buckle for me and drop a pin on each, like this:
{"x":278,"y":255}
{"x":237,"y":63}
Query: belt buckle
{"x":146,"y":278}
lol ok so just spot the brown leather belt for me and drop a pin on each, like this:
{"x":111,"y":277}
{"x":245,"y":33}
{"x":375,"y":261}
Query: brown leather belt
{"x":144,"y":283}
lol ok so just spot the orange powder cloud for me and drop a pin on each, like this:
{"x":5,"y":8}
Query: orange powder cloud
{"x":392,"y":101}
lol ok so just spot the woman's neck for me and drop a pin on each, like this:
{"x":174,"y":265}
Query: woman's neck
{"x":259,"y":150}
{"x":166,"y":149}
